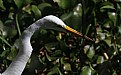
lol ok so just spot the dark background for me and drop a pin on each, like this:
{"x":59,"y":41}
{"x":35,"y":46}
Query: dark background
{"x":58,"y":53}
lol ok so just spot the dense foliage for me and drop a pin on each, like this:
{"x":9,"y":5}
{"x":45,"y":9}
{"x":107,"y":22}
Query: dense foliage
{"x":58,"y":53}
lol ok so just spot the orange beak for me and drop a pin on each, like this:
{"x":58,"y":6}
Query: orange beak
{"x":77,"y":33}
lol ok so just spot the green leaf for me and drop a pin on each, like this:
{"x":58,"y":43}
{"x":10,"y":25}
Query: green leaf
{"x":107,"y":24}
{"x":56,"y":53}
{"x":13,"y":53}
{"x":19,"y":3}
{"x":119,"y":29}
{"x":48,"y":57}
{"x":4,"y":53}
{"x":96,"y":1}
{"x":106,"y":6}
{"x":112,"y":16}
{"x":44,"y":5}
{"x":108,"y":42}
{"x":73,"y":19}
{"x":53,"y":70}
{"x":36,"y":11}
{"x":100,"y":59}
{"x":89,"y":51}
{"x":50,"y":46}
{"x":65,"y":3}
{"x":59,"y":71}
{"x":117,"y":1}
{"x":17,"y":25}
{"x":78,"y":9}
{"x":67,"y":67}
{"x":118,"y":7}
{"x":86,"y":71}
{"x":114,"y":72}
{"x":102,"y":36}
{"x":6,"y":42}
{"x":42,"y":60}
{"x":66,"y":17}
{"x":1,"y":27}
{"x":27,"y":1}
{"x":27,"y":9}
{"x":1,"y":5}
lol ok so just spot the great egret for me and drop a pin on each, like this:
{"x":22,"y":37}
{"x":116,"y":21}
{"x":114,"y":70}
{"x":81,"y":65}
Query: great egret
{"x":25,"y":49}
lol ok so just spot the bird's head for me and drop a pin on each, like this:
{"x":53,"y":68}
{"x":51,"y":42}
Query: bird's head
{"x":53,"y":22}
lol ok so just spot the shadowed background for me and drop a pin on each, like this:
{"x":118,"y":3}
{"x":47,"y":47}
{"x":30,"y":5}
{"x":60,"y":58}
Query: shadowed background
{"x":58,"y":53}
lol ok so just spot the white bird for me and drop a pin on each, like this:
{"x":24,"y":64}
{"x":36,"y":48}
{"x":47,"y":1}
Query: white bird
{"x":25,"y":49}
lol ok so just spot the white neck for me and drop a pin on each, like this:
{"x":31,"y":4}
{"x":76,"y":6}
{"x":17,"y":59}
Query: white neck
{"x":25,"y":49}
{"x":18,"y":64}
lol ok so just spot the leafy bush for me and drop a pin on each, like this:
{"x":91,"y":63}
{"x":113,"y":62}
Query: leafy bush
{"x":58,"y":53}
